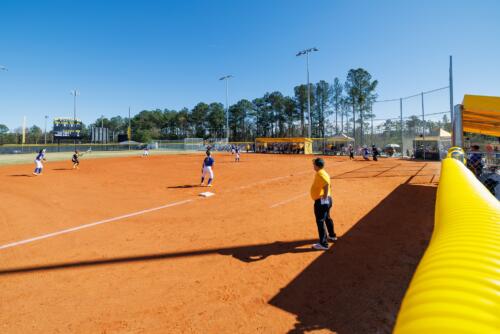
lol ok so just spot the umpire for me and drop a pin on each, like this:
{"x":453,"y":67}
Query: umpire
{"x":321,"y":193}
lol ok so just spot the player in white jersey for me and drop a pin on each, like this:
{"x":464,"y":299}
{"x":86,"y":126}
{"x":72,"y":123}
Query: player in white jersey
{"x":38,"y":162}
{"x":207,"y":168}
{"x":237,"y":152}
{"x":146,"y":152}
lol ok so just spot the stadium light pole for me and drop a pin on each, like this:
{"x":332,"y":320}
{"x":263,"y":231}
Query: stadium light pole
{"x":75,"y":93}
{"x":301,"y":53}
{"x":226,"y":78}
{"x":45,"y":131}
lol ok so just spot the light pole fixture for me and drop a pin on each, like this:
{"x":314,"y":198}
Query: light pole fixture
{"x":306,"y":53}
{"x":226,"y":78}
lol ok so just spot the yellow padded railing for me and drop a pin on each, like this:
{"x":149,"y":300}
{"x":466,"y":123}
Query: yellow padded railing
{"x":456,"y":288}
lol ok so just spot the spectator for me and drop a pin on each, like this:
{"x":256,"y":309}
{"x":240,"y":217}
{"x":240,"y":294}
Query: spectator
{"x":475,"y":161}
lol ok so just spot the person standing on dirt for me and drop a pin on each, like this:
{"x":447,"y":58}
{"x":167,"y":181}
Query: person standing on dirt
{"x":375,"y":153}
{"x":321,"y":193}
{"x":351,"y":152}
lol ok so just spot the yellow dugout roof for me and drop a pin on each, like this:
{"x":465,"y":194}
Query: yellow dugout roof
{"x":481,"y":114}
{"x":283,"y":140}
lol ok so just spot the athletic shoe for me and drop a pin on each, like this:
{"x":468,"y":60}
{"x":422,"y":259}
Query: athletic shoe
{"x":35,"y":173}
{"x":209,"y":185}
{"x":319,"y":247}
{"x":332,"y":239}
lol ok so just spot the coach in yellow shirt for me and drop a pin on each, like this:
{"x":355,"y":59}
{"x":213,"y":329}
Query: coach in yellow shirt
{"x":321,"y":193}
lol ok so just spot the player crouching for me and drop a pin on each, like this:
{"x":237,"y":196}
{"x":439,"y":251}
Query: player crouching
{"x":208,"y":164}
{"x":38,"y":162}
{"x":75,"y":159}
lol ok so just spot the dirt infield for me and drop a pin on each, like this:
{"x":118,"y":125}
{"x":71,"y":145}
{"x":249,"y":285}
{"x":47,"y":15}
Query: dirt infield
{"x":160,"y":259}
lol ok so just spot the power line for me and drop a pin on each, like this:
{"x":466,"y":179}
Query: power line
{"x":412,"y":96}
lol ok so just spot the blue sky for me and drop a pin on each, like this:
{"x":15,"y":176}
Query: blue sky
{"x":170,"y":54}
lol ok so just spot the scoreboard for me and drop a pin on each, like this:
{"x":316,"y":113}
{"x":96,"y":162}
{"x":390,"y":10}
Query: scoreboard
{"x":67,"y":128}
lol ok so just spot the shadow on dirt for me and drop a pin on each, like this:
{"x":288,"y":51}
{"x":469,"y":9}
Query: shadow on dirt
{"x":249,"y":253}
{"x":185,"y":186}
{"x":358,"y":285}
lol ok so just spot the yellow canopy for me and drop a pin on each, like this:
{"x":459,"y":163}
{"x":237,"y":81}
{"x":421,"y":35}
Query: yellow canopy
{"x":283,"y":140}
{"x":305,"y":142}
{"x":481,"y":114}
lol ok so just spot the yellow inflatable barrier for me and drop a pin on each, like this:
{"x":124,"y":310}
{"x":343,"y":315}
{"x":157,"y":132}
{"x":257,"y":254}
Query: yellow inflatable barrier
{"x":456,"y":288}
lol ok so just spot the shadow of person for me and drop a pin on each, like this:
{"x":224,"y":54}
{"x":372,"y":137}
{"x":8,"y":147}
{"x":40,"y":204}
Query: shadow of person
{"x":358,"y":286}
{"x":260,"y":252}
{"x":185,"y":186}
{"x":20,"y":175}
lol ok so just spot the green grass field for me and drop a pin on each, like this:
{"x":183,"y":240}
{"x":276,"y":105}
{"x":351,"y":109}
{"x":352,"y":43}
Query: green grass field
{"x":26,"y":158}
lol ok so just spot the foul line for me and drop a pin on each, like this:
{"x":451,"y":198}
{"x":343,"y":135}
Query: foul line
{"x":81,"y":227}
{"x":287,"y":201}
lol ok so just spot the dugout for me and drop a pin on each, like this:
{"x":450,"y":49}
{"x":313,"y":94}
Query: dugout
{"x":476,"y":114}
{"x":337,"y":145}
{"x":299,"y":145}
{"x":432,"y":147}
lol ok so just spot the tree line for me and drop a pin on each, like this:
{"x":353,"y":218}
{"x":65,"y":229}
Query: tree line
{"x":336,"y":108}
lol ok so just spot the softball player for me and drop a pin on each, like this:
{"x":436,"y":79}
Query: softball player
{"x":237,"y":157}
{"x":208,"y":164}
{"x":75,"y":160}
{"x":38,"y":162}
{"x":146,"y":152}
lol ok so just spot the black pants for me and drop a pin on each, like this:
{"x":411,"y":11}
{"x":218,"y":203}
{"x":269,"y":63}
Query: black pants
{"x":322,"y":214}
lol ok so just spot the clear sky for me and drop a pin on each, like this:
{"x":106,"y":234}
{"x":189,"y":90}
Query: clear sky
{"x":170,"y":54}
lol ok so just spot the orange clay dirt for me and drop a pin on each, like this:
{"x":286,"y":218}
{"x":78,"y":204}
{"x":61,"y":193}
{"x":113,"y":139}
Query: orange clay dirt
{"x":238,"y":262}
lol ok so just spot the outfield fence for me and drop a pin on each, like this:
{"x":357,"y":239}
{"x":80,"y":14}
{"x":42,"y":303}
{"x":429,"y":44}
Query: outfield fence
{"x":456,"y":288}
{"x":33,"y":148}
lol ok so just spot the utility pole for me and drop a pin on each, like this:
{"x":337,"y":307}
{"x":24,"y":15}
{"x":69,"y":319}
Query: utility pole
{"x":423,"y":125}
{"x":401,"y":124}
{"x":451,"y":91}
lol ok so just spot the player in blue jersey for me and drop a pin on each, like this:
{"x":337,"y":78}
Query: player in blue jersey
{"x":208,"y":165}
{"x":38,"y":162}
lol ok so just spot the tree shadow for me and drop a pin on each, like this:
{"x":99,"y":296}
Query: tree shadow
{"x":247,"y":253}
{"x":358,"y":286}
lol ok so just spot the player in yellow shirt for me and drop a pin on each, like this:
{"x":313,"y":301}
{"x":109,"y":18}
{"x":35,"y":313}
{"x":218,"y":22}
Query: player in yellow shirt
{"x":321,"y":193}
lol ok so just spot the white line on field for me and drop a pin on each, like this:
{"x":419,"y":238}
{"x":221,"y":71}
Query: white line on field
{"x":287,"y":201}
{"x":81,"y":227}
